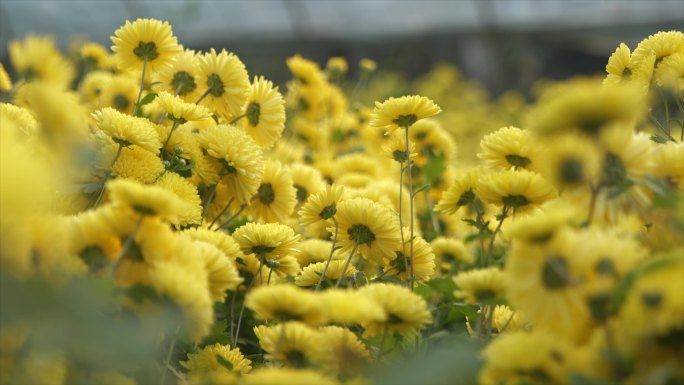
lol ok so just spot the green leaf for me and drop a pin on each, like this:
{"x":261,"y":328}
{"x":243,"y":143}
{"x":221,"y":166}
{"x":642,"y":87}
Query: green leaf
{"x":444,"y":285}
{"x":659,"y":139}
{"x":421,"y":189}
{"x":433,"y":169}
{"x":146,"y":100}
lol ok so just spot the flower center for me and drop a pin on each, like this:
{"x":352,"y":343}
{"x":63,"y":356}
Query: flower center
{"x":146,"y":51}
{"x":121,"y":102}
{"x":144,"y":210}
{"x":515,"y":201}
{"x":399,"y":156}
{"x":296,"y":359}
{"x":605,"y":267}
{"x":253,"y":111}
{"x":328,"y":211}
{"x":614,"y":172}
{"x":571,"y":171}
{"x":361,"y":234}
{"x":466,"y":198}
{"x":555,"y":274}
{"x":301,"y":193}
{"x":215,"y":85}
{"x":517,"y":160}
{"x":94,"y":258}
{"x":183,"y":83}
{"x":262,"y":249}
{"x":266,"y":194}
{"x":405,"y":121}
{"x":651,"y":300}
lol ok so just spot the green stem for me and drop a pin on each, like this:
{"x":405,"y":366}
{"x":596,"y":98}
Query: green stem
{"x":204,"y":95}
{"x":173,"y":128}
{"x":142,"y":87}
{"x":108,"y":175}
{"x":225,"y":208}
{"x":490,"y":255}
{"x":332,"y":250}
{"x":235,"y":119}
{"x":210,"y":198}
{"x":126,"y":245}
{"x":346,"y":265}
{"x":401,"y":222}
{"x":410,"y":186}
{"x":381,"y":347}
{"x":592,"y":204}
{"x":227,"y":222}
{"x":167,"y":362}
{"x":242,"y":308}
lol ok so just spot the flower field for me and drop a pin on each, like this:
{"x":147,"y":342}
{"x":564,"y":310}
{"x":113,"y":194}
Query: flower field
{"x":169,"y":217}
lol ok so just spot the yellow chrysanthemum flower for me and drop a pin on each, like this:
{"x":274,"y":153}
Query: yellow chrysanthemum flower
{"x":146,"y":200}
{"x":449,"y":252}
{"x":19,"y":117}
{"x":134,"y":163}
{"x":337,"y":66}
{"x":61,"y":116}
{"x":205,"y":360}
{"x":670,"y":71}
{"x":180,"y":111}
{"x":120,"y":92}
{"x":423,"y":260}
{"x":542,"y":282}
{"x":509,"y":148}
{"x":506,"y":320}
{"x":226,"y":82}
{"x":668,"y":163}
{"x":94,"y":55}
{"x":145,"y":41}
{"x":345,"y":306}
{"x":306,"y":71}
{"x":349,"y":355}
{"x":461,"y":193}
{"x":5,"y":81}
{"x":521,"y":357}
{"x":189,"y":292}
{"x":313,"y":251}
{"x":265,"y":112}
{"x":480,"y":285}
{"x":406,"y":311}
{"x":367,"y":65}
{"x":367,"y":226}
{"x":397,"y":113}
{"x":618,"y":65}
{"x":541,"y":226}
{"x":294,"y":344}
{"x":310,"y":274}
{"x":240,"y":160}
{"x":221,"y":240}
{"x":181,"y":76}
{"x":287,"y":376}
{"x":281,"y":303}
{"x":36,"y":58}
{"x":276,"y":197}
{"x":307,"y":180}
{"x":395,"y":149}
{"x":127,"y":130}
{"x":518,"y":191}
{"x":222,"y":274}
{"x":655,"y":304}
{"x":661,"y":44}
{"x":274,"y":243}
{"x":188,"y":193}
{"x":587,"y":107}
{"x":571,"y":161}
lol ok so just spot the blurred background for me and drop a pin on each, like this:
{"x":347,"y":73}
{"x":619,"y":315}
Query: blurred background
{"x":505,"y":44}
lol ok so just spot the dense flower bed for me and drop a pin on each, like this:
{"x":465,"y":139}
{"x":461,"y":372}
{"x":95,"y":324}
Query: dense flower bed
{"x":168,"y":219}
